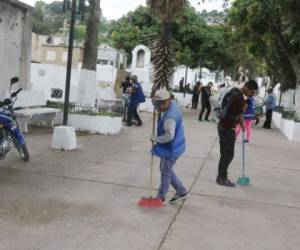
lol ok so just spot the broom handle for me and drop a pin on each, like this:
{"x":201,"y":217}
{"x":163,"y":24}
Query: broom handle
{"x":152,"y":157}
{"x":243,"y":154}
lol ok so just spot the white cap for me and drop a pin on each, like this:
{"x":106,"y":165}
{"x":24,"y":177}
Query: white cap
{"x":162,"y":95}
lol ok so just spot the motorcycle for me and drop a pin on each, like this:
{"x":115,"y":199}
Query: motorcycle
{"x":10,"y":133}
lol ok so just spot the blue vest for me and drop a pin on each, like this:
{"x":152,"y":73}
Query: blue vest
{"x":249,"y":114}
{"x":138,"y":96}
{"x":175,"y":148}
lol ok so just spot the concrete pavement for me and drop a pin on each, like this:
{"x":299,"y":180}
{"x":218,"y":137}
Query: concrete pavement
{"x":86,"y":199}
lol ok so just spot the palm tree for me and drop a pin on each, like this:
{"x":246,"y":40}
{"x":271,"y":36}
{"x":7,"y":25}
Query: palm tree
{"x":163,"y":58}
{"x":88,"y":80}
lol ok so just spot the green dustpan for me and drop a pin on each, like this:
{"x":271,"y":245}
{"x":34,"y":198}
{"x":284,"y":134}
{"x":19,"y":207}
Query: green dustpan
{"x":243,"y":180}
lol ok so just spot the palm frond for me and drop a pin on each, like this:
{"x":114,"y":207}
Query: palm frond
{"x":163,"y":63}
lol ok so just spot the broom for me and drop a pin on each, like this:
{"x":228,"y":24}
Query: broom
{"x":151,"y":202}
{"x":243,"y":180}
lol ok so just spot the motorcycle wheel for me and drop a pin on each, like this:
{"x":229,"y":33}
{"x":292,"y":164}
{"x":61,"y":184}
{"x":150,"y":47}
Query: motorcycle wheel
{"x":22,"y":149}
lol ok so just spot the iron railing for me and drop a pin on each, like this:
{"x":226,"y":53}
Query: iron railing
{"x":113,"y":110}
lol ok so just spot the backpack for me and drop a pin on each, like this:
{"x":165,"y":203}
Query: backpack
{"x":222,"y":111}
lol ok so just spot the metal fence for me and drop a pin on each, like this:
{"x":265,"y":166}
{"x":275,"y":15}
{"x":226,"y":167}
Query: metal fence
{"x":113,"y":110}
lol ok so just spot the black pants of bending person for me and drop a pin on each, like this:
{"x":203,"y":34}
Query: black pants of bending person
{"x":133,"y":114}
{"x":195,"y":101}
{"x":269,"y":114}
{"x":205,"y":106}
{"x":227,"y":143}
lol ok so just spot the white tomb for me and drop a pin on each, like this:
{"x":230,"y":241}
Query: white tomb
{"x":142,"y":67}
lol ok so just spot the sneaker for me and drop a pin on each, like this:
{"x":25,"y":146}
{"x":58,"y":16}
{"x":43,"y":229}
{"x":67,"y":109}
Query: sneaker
{"x":207,"y":120}
{"x":178,"y":197}
{"x":246,"y":141}
{"x":163,"y":200}
{"x":224,"y":182}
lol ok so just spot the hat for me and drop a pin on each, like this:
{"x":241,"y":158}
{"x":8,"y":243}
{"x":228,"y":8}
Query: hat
{"x":133,"y":77}
{"x":162,"y":95}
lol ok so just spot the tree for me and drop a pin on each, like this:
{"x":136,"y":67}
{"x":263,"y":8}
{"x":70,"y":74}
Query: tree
{"x":163,"y":58}
{"x":80,"y":33}
{"x":47,"y":18}
{"x":87,"y":81}
{"x":277,"y":24}
{"x":137,"y":27}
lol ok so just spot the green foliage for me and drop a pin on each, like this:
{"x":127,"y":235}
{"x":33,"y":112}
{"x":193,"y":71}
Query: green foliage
{"x":47,"y":18}
{"x":270,"y":31}
{"x":137,"y":27}
{"x":80,"y":32}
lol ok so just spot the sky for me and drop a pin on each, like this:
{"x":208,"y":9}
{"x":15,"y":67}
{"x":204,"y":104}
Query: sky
{"x":114,"y":9}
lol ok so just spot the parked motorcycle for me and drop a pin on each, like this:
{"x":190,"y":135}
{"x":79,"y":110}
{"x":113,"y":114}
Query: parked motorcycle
{"x":10,"y":133}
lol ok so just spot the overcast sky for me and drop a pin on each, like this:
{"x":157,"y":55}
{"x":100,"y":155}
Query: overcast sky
{"x":114,"y":9}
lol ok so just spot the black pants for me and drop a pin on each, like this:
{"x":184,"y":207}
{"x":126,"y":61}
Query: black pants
{"x":125,"y":112}
{"x":205,"y":106}
{"x":195,"y":101}
{"x":227,"y":143}
{"x":132,"y":113}
{"x":269,"y":114}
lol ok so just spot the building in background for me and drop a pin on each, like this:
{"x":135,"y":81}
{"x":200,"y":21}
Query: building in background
{"x":111,"y":56}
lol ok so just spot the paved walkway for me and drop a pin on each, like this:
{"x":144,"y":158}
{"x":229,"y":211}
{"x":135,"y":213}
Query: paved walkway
{"x":86,"y":199}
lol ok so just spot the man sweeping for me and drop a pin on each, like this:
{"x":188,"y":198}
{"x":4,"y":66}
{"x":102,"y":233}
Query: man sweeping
{"x":169,"y":145}
{"x":232,"y":108}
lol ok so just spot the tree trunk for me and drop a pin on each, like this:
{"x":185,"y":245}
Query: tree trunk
{"x":296,"y":67}
{"x":217,"y":76}
{"x":88,"y":79}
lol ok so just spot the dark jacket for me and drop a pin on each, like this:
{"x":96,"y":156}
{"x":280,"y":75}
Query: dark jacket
{"x":205,"y":94}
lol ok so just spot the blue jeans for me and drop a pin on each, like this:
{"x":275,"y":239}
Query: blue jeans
{"x":168,"y":177}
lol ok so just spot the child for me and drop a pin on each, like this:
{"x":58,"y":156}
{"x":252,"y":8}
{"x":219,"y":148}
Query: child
{"x":249,"y":116}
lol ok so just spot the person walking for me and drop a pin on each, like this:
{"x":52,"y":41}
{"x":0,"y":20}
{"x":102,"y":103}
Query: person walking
{"x":196,"y":93}
{"x":169,"y":145}
{"x":270,"y":103}
{"x":125,"y":85}
{"x":181,"y":83}
{"x":249,"y":116}
{"x":223,"y":89}
{"x":137,"y":97}
{"x":205,"y":101}
{"x":231,"y":114}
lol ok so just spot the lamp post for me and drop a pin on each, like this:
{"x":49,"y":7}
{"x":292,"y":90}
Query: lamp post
{"x":75,"y":10}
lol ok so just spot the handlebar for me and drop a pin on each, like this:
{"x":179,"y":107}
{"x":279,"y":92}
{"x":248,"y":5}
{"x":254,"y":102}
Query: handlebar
{"x":16,"y":93}
{"x":9,"y":101}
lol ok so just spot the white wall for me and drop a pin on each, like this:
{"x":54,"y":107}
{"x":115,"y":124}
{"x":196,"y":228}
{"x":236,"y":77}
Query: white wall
{"x":106,"y":74}
{"x":289,"y":128}
{"x":180,"y":72}
{"x":191,"y":76}
{"x":44,"y":77}
{"x":15,"y":43}
{"x":96,"y":124}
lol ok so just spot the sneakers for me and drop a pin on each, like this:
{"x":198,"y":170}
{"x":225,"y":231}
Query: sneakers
{"x":178,"y":197}
{"x":139,"y":124}
{"x":224,"y":182}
